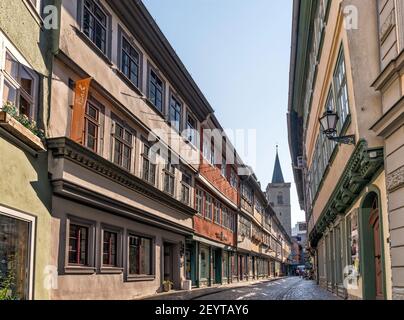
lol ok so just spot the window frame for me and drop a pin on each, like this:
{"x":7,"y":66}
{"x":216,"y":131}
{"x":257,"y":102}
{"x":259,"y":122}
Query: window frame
{"x":340,"y":88}
{"x":95,"y":122}
{"x":191,"y":137}
{"x":208,"y":207}
{"x":124,"y":143}
{"x":223,"y":166}
{"x":107,"y":27}
{"x":178,"y":104}
{"x":151,"y":70}
{"x":141,"y":277}
{"x":199,"y":201}
{"x":186,"y":189}
{"x":118,"y":267}
{"x":89,"y":268}
{"x":32,"y":221}
{"x":217,"y":212}
{"x":233,"y":178}
{"x":21,"y":63}
{"x":151,"y":164}
{"x":122,"y":34}
{"x":169,"y":176}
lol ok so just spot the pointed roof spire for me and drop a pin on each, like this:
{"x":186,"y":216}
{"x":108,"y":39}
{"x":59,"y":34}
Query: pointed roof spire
{"x":277,"y":176}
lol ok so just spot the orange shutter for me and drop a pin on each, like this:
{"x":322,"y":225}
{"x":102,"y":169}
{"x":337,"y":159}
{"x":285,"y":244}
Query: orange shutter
{"x":79,"y":109}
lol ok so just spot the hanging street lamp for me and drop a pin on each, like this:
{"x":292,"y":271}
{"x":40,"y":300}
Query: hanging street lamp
{"x":329,"y":122}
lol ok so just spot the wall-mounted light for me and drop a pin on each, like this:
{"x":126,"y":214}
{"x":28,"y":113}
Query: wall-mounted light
{"x":329,"y":122}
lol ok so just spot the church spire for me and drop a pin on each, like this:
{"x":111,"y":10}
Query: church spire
{"x":277,"y":176}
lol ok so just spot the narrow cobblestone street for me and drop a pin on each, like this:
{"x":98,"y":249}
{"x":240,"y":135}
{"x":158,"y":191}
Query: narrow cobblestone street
{"x":292,"y":288}
{"x":283,"y":289}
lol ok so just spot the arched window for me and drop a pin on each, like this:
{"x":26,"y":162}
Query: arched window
{"x":280,"y":198}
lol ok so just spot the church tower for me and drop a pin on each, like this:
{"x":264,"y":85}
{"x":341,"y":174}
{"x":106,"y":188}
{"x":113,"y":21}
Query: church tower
{"x":278,"y":195}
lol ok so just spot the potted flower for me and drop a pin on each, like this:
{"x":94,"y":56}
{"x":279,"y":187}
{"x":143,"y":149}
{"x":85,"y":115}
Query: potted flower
{"x":167,"y":285}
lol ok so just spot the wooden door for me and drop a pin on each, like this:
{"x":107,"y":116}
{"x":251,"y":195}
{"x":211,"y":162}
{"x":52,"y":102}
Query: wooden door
{"x":375,"y":224}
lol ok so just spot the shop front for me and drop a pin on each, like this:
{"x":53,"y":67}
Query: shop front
{"x":16,"y":254}
{"x":212,"y":264}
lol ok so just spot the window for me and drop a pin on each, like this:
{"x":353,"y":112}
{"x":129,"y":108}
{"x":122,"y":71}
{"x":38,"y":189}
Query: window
{"x":19,"y":86}
{"x":217,"y":213}
{"x":245,"y":227}
{"x":191,"y":130}
{"x":16,"y":245}
{"x":169,"y":178}
{"x":110,"y":247}
{"x":341,"y":89}
{"x":122,"y":140}
{"x":91,"y":127}
{"x":199,"y":201}
{"x":204,"y":264}
{"x":206,"y":147}
{"x":95,"y":24}
{"x":78,"y":245}
{"x":225,"y":217}
{"x":140,"y":256}
{"x":280,"y":198}
{"x":208,"y":207}
{"x":212,"y":152}
{"x":224,"y":166}
{"x":247,"y":194}
{"x":233,"y":178}
{"x":130,"y":62}
{"x":185,"y":187}
{"x":175,"y":113}
{"x":149,"y":168}
{"x":156,"y":91}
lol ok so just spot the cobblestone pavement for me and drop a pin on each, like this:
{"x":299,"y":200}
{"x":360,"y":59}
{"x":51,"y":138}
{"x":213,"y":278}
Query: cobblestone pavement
{"x":283,"y":289}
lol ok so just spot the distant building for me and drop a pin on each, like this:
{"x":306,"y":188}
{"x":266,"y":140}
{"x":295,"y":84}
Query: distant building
{"x":278,"y":195}
{"x":299,"y":232}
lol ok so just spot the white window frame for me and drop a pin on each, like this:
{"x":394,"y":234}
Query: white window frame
{"x":31,"y":247}
{"x":37,"y":6}
{"x":6,"y":45}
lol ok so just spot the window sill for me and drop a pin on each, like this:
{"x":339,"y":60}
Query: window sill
{"x":140,"y":278}
{"x":97,"y":50}
{"x":19,"y":131}
{"x":79,"y":270}
{"x":151,"y":105}
{"x":111,"y":270}
{"x":130,"y":84}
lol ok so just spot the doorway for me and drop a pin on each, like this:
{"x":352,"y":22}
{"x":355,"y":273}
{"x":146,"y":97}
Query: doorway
{"x":375,"y":225}
{"x":168,"y":262}
{"x":371,"y":248}
{"x":217,"y":266}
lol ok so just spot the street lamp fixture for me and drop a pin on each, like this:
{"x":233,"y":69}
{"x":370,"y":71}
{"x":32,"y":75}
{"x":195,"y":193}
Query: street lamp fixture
{"x":329,"y":122}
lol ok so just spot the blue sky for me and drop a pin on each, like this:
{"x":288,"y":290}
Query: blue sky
{"x":238,"y":52}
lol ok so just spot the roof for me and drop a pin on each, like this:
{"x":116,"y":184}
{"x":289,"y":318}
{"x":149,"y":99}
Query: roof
{"x":277,"y":176}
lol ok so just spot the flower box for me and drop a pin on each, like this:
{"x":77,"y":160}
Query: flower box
{"x":19,"y":131}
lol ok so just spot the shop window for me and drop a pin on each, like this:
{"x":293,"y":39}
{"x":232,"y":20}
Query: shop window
{"x":15,"y":246}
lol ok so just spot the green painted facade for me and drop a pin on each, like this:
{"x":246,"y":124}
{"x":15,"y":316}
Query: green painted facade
{"x":24,"y":183}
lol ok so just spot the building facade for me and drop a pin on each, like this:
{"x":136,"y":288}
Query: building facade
{"x":390,"y":126}
{"x":25,"y":201}
{"x":135,"y":190}
{"x":341,"y":186}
